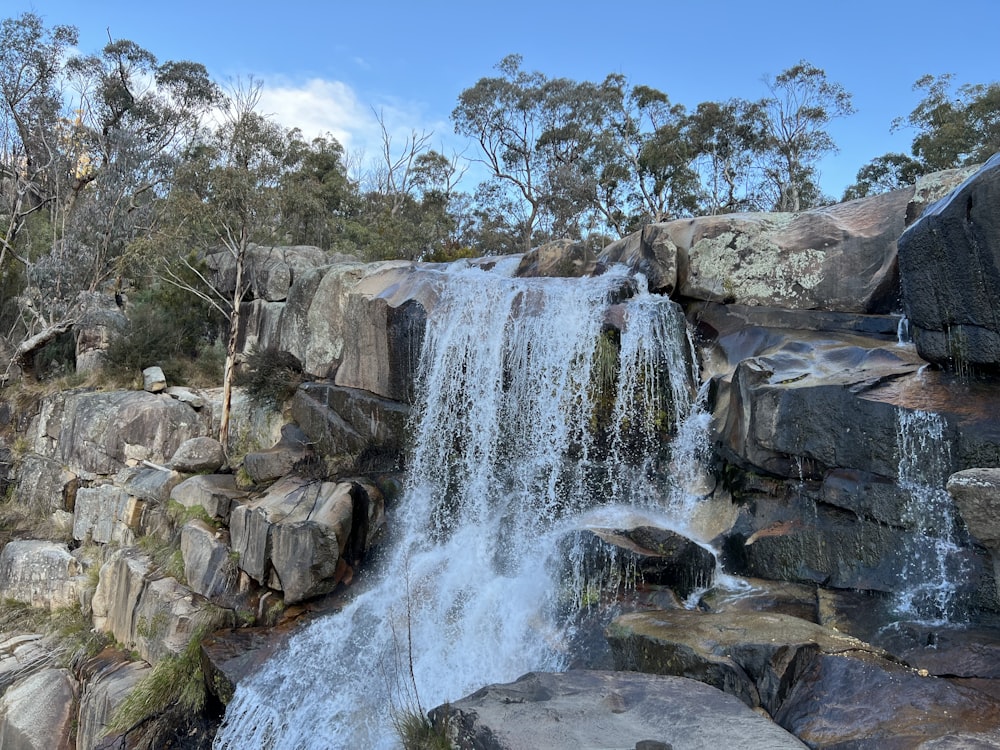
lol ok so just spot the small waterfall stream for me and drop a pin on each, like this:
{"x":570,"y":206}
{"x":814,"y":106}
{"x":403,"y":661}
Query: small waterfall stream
{"x":522,"y":423}
{"x":933,"y":563}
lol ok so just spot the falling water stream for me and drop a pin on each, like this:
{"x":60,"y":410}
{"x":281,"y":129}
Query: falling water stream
{"x":506,"y":460}
{"x":933,"y":563}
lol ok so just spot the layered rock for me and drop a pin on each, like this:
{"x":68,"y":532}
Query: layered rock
{"x":37,"y":713}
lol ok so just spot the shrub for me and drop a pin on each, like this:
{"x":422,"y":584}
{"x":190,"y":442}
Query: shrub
{"x":271,"y":377}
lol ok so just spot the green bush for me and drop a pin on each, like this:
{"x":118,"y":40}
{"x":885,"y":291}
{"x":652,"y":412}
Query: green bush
{"x":270,"y":377}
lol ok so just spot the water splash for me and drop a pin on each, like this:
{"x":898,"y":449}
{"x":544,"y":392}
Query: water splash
{"x":506,"y":456}
{"x":933,"y":562}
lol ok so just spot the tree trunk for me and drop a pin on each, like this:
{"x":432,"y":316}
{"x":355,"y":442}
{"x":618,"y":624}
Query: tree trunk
{"x":229,"y":373}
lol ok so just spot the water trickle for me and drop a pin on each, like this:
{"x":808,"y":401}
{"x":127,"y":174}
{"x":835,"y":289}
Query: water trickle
{"x":932,"y":561}
{"x":903,"y":335}
{"x":506,"y":457}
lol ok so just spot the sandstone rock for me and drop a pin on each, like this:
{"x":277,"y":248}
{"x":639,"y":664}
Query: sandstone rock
{"x":267,"y":465}
{"x":109,"y":678}
{"x":214,"y":492}
{"x":198,"y":455}
{"x":949,"y":263}
{"x":839,"y":258}
{"x":292,"y":538}
{"x":42,"y":574}
{"x":558,"y":258}
{"x":36,"y":713}
{"x":153,"y":380}
{"x":209,"y":567}
{"x":650,"y":252}
{"x":105,"y":513}
{"x":583,"y":709}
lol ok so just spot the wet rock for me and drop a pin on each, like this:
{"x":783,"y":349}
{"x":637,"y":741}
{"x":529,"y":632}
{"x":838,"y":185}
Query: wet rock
{"x":214,"y":493}
{"x":650,"y":252}
{"x":755,"y":656}
{"x":229,"y":656}
{"x":277,"y":461}
{"x":949,"y":263}
{"x":977,"y":495}
{"x":198,"y":455}
{"x":659,"y":556}
{"x":859,"y":701}
{"x":36,"y":713}
{"x":559,"y":258}
{"x":39,"y":573}
{"x":577,"y":709}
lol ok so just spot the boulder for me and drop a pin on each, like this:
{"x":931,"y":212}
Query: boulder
{"x":278,"y":460}
{"x":153,"y":380}
{"x":42,"y":574}
{"x":269,"y":270}
{"x":562,"y":258}
{"x":293,"y":538}
{"x":651,"y":252}
{"x":209,"y":565}
{"x":949,"y":262}
{"x":839,"y":258}
{"x":37,"y":713}
{"x":198,"y":455}
{"x":215,"y":493}
{"x":977,"y":496}
{"x":594,"y":709}
{"x":151,"y":484}
{"x":106,"y":513}
{"x":185,"y":396}
{"x":100,"y":320}
{"x":229,"y":656}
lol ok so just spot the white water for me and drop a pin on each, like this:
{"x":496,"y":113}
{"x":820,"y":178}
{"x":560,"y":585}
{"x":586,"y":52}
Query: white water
{"x":504,"y":464}
{"x":932,"y":563}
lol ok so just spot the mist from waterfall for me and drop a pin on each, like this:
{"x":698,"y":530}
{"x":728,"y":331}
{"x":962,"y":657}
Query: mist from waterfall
{"x":522,"y":423}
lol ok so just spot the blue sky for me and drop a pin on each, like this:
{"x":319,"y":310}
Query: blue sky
{"x":326,"y":65}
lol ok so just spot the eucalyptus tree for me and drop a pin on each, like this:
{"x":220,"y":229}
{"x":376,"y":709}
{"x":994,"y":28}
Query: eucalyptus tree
{"x":882,"y":174}
{"x":955,"y":126}
{"x":801,"y":104}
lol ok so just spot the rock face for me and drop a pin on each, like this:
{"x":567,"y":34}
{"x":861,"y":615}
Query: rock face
{"x":560,"y":258}
{"x":42,"y":574}
{"x":110,"y":680}
{"x":579,"y":709}
{"x":950,"y":265}
{"x":302,"y":536}
{"x":36,"y":713}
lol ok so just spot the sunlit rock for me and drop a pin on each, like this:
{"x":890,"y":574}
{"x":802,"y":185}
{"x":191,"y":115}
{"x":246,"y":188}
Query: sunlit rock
{"x":209,"y":565}
{"x":651,"y":252}
{"x":42,"y":574}
{"x":214,"y":493}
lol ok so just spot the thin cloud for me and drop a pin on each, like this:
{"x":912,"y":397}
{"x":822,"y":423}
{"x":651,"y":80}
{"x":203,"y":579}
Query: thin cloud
{"x":319,"y":106}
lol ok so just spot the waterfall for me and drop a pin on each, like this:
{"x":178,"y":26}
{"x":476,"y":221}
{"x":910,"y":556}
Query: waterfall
{"x":523,"y":420}
{"x":933,"y":561}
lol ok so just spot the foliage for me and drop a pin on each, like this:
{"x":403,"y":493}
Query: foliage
{"x":271,"y":377}
{"x":176,"y":681}
{"x":417,"y":732}
{"x":882,"y":174}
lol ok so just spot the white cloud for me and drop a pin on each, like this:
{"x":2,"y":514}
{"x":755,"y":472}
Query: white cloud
{"x":319,"y":106}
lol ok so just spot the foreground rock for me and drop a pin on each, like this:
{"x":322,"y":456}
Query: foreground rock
{"x":37,"y":713}
{"x":827,"y":688}
{"x":590,"y":709}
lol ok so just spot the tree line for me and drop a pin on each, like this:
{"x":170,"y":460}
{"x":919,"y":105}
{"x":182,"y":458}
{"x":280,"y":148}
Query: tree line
{"x":116,"y":167}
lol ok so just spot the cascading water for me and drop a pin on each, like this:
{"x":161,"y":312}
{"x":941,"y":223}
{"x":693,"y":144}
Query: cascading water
{"x":933,"y":563}
{"x":506,"y":456}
